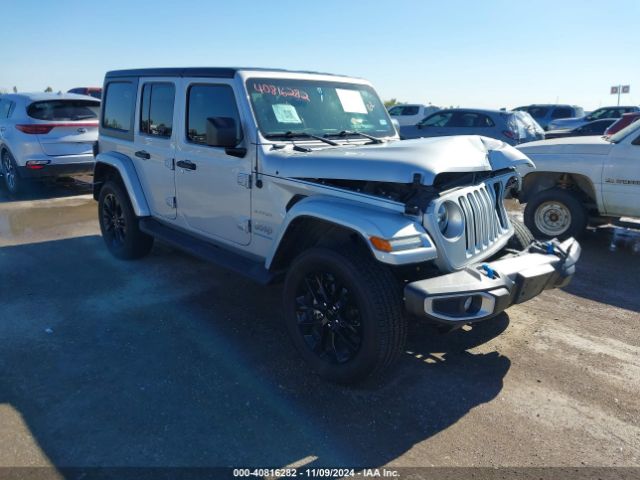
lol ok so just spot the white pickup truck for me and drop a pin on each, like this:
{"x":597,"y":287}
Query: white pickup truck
{"x":581,"y":181}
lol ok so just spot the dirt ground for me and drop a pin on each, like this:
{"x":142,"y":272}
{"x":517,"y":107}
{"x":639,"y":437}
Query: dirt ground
{"x":169,"y":361}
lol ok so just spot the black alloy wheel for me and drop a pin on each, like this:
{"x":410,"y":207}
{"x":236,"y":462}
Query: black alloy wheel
{"x":114,"y":222}
{"x":328,"y":317}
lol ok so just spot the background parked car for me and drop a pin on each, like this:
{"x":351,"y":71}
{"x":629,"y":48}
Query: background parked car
{"x":546,"y":113}
{"x":599,"y":114}
{"x":46,"y":135}
{"x":624,"y":121}
{"x":95,"y":92}
{"x":510,"y":127}
{"x":596,"y":127}
{"x":411,"y":114}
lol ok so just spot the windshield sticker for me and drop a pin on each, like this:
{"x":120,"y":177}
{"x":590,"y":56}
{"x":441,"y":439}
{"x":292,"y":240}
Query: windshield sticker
{"x":383,"y":122}
{"x":270,"y":89}
{"x":351,"y":101}
{"x":286,"y":113}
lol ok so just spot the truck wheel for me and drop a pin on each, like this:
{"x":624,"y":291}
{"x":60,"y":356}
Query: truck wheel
{"x":119,"y":224}
{"x":555,"y":213}
{"x":344,"y":313}
{"x":10,"y":173}
{"x":522,"y":236}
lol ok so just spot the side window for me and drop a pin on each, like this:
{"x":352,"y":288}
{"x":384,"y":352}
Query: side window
{"x":411,"y":110}
{"x":156,"y":109}
{"x":469,"y":120}
{"x":436,"y":120}
{"x":205,"y":102}
{"x":395,"y":111}
{"x":561,"y":112}
{"x":118,"y":106}
{"x":12,"y":107}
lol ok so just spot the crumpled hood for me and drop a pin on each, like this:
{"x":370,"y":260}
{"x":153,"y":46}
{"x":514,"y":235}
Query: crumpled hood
{"x":396,"y":161}
{"x":589,"y":145}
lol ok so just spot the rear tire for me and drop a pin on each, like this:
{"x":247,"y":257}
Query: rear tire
{"x":555,"y":213}
{"x":344,"y":313}
{"x":12,"y":180}
{"x":119,"y":224}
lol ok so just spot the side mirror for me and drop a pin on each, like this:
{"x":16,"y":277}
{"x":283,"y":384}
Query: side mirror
{"x":396,"y":124}
{"x":222,"y":132}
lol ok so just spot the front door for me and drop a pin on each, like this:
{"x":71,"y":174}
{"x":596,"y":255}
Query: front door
{"x":154,"y":140}
{"x":213,"y":188}
{"x":621,"y":178}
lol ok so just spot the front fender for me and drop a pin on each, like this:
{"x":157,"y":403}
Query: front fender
{"x":126,"y":169}
{"x":365,"y":220}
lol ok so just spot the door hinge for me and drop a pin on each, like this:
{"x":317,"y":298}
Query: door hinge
{"x":244,"y":179}
{"x":170,"y":163}
{"x":171,"y":201}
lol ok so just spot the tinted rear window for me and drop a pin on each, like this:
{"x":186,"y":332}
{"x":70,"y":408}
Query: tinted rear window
{"x":156,"y":111}
{"x":64,"y":110}
{"x":537,"y":112}
{"x":562,"y":112}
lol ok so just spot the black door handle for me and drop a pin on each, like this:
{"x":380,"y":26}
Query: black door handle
{"x":143,"y":155}
{"x":186,"y":164}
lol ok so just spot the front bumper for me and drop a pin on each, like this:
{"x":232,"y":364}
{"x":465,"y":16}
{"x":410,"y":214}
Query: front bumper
{"x":482,"y":291}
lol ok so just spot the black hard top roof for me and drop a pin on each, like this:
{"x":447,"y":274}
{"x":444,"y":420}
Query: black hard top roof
{"x":215,"y":72}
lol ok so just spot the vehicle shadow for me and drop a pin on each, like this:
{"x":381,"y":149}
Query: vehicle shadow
{"x":60,"y":187}
{"x":171,"y":362}
{"x":619,"y":270}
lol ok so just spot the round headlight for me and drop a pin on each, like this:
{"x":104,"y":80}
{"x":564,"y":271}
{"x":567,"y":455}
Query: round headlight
{"x":450,"y":220}
{"x":443,"y":218}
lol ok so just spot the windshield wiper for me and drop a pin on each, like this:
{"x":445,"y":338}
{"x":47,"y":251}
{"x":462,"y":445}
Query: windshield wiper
{"x":344,"y":133}
{"x":291,"y":134}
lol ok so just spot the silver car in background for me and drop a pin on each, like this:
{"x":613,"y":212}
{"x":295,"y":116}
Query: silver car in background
{"x":45,"y":135}
{"x":510,"y":127}
{"x":599,"y":114}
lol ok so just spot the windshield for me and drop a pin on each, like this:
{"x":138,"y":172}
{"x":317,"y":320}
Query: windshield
{"x":319,"y":108}
{"x":634,"y":128}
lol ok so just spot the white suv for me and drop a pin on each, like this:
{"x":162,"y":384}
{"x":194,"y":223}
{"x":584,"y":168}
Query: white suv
{"x":411,"y":114}
{"x":46,"y":135}
{"x":302,"y":177}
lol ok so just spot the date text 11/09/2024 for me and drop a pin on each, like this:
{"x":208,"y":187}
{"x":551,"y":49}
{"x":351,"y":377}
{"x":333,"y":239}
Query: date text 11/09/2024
{"x":315,"y":472}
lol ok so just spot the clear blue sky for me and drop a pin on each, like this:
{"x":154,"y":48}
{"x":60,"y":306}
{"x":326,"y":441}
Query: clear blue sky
{"x":469,"y":53}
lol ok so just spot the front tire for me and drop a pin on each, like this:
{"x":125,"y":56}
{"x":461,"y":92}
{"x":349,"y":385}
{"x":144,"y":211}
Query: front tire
{"x":344,"y":313}
{"x":555,"y":213}
{"x":12,"y":180}
{"x":119,"y":224}
{"x":522,"y":236}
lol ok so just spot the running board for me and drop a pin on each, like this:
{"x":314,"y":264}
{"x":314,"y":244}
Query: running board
{"x":208,"y":251}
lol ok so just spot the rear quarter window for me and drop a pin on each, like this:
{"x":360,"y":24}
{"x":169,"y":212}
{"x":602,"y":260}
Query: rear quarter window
{"x":118,"y":107}
{"x":64,"y":110}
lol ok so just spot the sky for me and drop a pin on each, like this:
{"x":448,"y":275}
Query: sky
{"x":485,"y":54}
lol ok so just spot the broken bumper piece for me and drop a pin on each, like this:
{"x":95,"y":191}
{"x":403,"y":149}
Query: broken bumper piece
{"x":482,"y":291}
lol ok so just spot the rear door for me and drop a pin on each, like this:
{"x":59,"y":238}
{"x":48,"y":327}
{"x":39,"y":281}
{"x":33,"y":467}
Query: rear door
{"x":213,"y":187}
{"x":68,"y":127}
{"x":155,"y":143}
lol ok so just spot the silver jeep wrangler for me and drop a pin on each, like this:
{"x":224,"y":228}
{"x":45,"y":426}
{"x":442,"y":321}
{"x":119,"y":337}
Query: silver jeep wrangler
{"x":300,"y":177}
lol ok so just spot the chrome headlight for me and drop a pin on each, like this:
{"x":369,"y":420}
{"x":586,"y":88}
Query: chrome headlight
{"x":443,"y":218}
{"x":450,"y":220}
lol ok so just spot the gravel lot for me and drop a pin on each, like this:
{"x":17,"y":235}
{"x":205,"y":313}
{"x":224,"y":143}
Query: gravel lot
{"x":171,"y":361}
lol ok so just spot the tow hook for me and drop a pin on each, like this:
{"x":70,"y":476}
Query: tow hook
{"x":490,"y":272}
